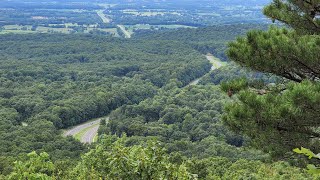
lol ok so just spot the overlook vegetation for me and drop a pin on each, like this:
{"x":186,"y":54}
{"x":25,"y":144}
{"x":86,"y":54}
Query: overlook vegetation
{"x":288,"y":119}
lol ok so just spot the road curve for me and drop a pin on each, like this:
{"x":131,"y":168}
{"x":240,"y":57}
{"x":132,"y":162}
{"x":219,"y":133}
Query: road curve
{"x":88,"y":136}
{"x":216,"y":64}
{"x":89,"y":130}
{"x":76,"y":129}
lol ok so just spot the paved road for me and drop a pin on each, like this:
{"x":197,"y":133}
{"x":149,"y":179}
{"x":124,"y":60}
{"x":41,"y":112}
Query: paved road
{"x":88,"y":137}
{"x":123,"y":29}
{"x":216,"y":64}
{"x":104,"y":17}
{"x":91,"y":129}
{"x":75,"y":130}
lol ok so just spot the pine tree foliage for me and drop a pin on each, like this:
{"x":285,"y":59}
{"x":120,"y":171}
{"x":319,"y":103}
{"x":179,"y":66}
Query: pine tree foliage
{"x":301,"y":15}
{"x":280,"y":121}
{"x":279,"y":51}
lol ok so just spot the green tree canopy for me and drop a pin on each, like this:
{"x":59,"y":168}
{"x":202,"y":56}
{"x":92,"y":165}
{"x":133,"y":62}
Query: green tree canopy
{"x":112,"y":160}
{"x":38,"y":166}
{"x":281,"y":120}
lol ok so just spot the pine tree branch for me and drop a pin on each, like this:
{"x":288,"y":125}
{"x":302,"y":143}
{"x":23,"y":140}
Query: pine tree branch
{"x":310,"y":133}
{"x":297,"y":60}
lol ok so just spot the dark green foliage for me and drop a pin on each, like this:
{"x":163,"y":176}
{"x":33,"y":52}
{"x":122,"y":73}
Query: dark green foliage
{"x":288,"y":117}
{"x":222,"y":168}
{"x":279,"y":51}
{"x":113,"y":160}
{"x":232,"y":72}
{"x":287,"y":120}
{"x":49,"y":82}
{"x":301,"y":15}
{"x":36,"y":167}
{"x":235,"y":85}
{"x":187,"y":120}
{"x":206,"y":40}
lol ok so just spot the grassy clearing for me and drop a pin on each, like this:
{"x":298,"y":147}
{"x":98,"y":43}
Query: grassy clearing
{"x":148,"y":13}
{"x":17,"y":27}
{"x":127,"y":29}
{"x":16,"y":32}
{"x":95,"y":139}
{"x":42,"y":29}
{"x":112,"y":31}
{"x":132,"y":28}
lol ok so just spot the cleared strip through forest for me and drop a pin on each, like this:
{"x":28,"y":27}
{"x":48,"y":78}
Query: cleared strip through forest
{"x":104,"y":17}
{"x":216,"y":64}
{"x":86,"y":132}
{"x":126,"y":33}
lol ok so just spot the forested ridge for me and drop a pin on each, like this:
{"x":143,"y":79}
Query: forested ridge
{"x":241,"y":121}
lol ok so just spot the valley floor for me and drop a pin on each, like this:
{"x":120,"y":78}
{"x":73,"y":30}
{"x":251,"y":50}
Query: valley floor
{"x":87,"y":132}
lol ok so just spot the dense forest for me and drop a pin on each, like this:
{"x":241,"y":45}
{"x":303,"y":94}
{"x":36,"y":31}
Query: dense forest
{"x":255,"y":118}
{"x":49,"y":82}
{"x":211,"y":39}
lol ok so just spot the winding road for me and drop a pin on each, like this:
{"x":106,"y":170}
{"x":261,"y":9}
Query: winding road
{"x":216,"y":64}
{"x":87,"y":132}
{"x":88,"y":136}
{"x":104,"y":17}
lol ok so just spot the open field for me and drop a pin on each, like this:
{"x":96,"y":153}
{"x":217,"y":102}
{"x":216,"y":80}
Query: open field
{"x":131,"y":28}
{"x":16,"y":32}
{"x":149,"y":12}
{"x":16,"y":27}
{"x":147,"y":26}
{"x":67,"y":29}
{"x":42,"y":29}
